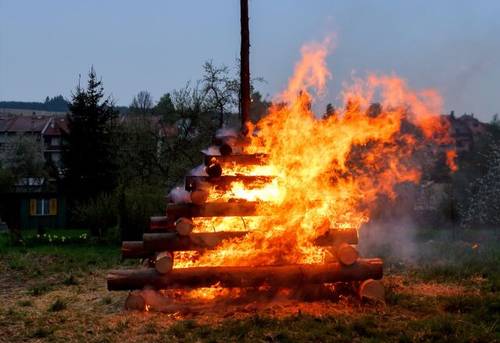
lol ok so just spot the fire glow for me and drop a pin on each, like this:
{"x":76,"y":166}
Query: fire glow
{"x":328,"y":171}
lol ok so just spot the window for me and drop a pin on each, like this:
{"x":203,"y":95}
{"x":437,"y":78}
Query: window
{"x":43,"y":207}
{"x":55,"y":141}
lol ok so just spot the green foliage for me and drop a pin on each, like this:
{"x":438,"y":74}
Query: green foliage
{"x":136,"y":205}
{"x":98,"y":214}
{"x":90,"y":154}
{"x":26,"y":158}
{"x":166,"y":110}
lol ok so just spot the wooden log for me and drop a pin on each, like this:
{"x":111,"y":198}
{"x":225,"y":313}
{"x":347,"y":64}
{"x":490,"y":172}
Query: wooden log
{"x":214,"y":169}
{"x":214,"y":209}
{"x":161,"y":223}
{"x":135,"y":301}
{"x":346,"y":254}
{"x":338,"y":236}
{"x":164,"y":262}
{"x":195,"y":241}
{"x":184,"y":226}
{"x":134,"y":249}
{"x":193,"y":182}
{"x":198,"y":196}
{"x":208,"y":240}
{"x":256,"y":276}
{"x":372,"y":290}
{"x":241,"y":159}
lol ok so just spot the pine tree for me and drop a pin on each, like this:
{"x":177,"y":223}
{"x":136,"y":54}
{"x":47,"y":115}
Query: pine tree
{"x":89,"y":156}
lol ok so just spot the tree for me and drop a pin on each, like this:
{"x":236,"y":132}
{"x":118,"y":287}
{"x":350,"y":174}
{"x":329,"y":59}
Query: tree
{"x":25,"y":160}
{"x":258,"y":107}
{"x":142,"y":104}
{"x":484,"y":202}
{"x":165,"y":108}
{"x":221,"y":91}
{"x":90,"y":155}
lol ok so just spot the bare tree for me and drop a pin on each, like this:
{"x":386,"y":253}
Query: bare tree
{"x":220,"y":90}
{"x":142,"y":103}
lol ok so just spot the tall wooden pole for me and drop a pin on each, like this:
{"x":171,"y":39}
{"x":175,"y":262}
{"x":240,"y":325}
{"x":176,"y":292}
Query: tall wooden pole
{"x":245,"y":66}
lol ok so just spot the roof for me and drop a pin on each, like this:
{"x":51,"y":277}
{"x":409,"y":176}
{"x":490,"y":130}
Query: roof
{"x":25,"y":124}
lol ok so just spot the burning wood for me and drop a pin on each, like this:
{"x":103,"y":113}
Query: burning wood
{"x":240,"y":159}
{"x":164,"y":262}
{"x":192,"y":182}
{"x":171,"y":241}
{"x":255,"y":276}
{"x":237,"y":209}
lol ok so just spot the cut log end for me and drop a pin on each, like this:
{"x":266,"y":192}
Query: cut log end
{"x":135,"y":302}
{"x":347,"y":254}
{"x":199,"y":197}
{"x":184,"y":226}
{"x":372,"y":290}
{"x":164,"y":262}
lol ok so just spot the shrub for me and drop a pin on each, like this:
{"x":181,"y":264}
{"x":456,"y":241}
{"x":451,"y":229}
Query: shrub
{"x":136,"y":205}
{"x":98,"y":214}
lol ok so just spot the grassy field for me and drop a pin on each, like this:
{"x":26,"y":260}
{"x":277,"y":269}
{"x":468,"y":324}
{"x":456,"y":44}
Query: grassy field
{"x":53,"y":290}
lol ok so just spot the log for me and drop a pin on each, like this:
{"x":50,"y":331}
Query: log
{"x":195,"y":241}
{"x":161,"y":223}
{"x":214,"y":209}
{"x":241,"y":159}
{"x":207,"y":240}
{"x":214,"y":169}
{"x":193,"y":182}
{"x":346,"y":254}
{"x":198,"y":196}
{"x":135,"y":301}
{"x":184,"y":226}
{"x":164,"y":262}
{"x":338,"y":236}
{"x":134,"y":249}
{"x":279,"y":276}
{"x":372,"y":290}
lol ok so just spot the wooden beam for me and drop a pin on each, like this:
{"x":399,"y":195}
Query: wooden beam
{"x":253,"y":276}
{"x":241,"y":159}
{"x":192,"y":182}
{"x":245,"y":66}
{"x":195,"y":241}
{"x":212,"y":209}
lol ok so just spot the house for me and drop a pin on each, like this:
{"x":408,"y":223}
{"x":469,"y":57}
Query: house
{"x":35,"y":203}
{"x":48,"y":130}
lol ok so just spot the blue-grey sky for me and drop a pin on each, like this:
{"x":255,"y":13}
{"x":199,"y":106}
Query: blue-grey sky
{"x":450,"y":45}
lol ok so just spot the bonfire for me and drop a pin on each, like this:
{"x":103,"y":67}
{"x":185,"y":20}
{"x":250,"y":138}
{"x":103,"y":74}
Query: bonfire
{"x":278,"y":207}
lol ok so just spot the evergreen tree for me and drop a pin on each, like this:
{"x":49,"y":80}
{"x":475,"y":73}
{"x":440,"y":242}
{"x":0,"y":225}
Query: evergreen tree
{"x":89,"y":157}
{"x":166,"y":109}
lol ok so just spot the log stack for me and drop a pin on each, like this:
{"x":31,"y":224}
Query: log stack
{"x":176,"y":232}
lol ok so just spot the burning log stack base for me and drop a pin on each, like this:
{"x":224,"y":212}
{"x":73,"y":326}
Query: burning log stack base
{"x":173,"y":232}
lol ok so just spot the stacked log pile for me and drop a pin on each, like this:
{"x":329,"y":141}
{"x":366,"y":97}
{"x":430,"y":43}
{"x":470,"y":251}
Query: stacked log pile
{"x":174,"y":232}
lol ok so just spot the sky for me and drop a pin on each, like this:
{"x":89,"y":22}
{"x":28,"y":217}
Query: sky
{"x":452,"y":46}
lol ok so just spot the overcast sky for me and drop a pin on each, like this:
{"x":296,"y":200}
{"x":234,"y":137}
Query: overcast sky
{"x":450,"y":45}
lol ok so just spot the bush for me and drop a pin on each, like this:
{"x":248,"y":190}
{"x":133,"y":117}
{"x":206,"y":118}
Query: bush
{"x":98,"y":214}
{"x":136,"y":205}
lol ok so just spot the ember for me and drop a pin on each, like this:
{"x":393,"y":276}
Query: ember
{"x":281,"y":206}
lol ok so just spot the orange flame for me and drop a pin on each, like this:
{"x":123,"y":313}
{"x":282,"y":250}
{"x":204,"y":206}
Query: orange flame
{"x":327,"y":170}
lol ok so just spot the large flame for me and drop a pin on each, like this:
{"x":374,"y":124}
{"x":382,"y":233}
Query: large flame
{"x":329,"y":171}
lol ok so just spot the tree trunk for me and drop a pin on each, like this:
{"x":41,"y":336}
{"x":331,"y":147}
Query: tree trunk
{"x":279,"y":276}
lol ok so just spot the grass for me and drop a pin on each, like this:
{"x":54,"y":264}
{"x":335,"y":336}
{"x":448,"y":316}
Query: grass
{"x":449,"y":293}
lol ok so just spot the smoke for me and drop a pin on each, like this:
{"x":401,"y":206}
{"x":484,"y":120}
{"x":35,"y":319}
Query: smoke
{"x":393,"y":239}
{"x":212,"y":150}
{"x":179,"y":195}
{"x":199,"y":170}
{"x":226,"y":132}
